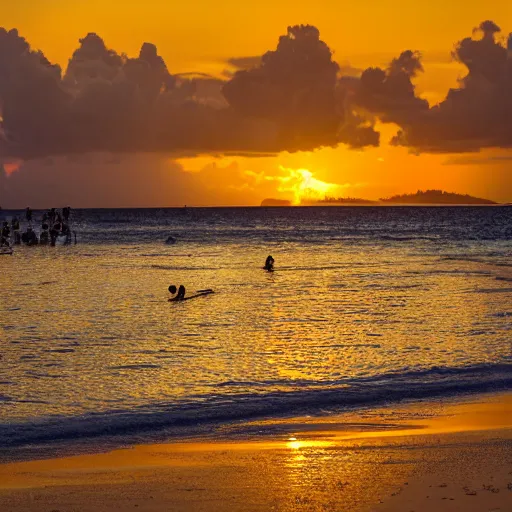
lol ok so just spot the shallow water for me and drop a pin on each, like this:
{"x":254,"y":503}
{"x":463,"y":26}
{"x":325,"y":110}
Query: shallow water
{"x":365,"y":304}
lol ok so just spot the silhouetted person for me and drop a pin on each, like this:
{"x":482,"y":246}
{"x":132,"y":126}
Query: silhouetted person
{"x":58,"y":226}
{"x":181,"y":292}
{"x":66,"y":232}
{"x":6,"y":233}
{"x":65,"y":213}
{"x":29,"y":237}
{"x":269,"y":264}
{"x":44,"y":237}
{"x":28,"y":215}
{"x":51,"y":216}
{"x":15,"y":226}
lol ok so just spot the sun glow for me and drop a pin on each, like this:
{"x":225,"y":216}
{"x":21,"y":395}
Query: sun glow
{"x":304,"y":186}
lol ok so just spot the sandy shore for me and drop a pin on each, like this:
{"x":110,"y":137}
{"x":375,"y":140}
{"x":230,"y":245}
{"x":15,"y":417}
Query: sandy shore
{"x":431,"y":456}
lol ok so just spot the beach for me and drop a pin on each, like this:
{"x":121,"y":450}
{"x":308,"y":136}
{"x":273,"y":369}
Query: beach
{"x":445,"y":455}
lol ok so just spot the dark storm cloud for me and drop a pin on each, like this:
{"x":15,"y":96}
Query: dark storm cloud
{"x":295,"y":97}
{"x":295,"y":87}
{"x":476,"y":115}
{"x":103,"y":180}
{"x":107,"y":101}
{"x":389,"y":94}
{"x":345,"y":69}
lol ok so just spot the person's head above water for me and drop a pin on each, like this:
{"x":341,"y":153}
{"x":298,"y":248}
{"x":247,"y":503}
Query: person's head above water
{"x":172,"y":289}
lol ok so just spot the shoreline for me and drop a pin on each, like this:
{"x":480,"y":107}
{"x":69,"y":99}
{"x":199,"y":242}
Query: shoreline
{"x":355,"y":461}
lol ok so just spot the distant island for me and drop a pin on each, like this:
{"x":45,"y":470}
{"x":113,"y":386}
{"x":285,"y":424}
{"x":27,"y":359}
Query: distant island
{"x":340,"y":200}
{"x":435,"y":197}
{"x":421,"y":197}
{"x":275,"y":202}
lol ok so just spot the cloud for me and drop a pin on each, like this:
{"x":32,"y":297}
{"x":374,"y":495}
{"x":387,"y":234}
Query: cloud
{"x":295,"y":88}
{"x":477,"y":160}
{"x":247,"y":62}
{"x":96,"y":180}
{"x":107,"y":101}
{"x":389,"y":94}
{"x":346,"y":69}
{"x":293,"y":98}
{"x":477,"y":114}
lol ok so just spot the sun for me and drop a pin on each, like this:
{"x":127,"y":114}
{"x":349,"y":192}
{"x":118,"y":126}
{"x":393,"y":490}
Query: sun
{"x":304,"y":186}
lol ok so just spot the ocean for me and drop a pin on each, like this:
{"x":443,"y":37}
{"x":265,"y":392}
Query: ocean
{"x":366,"y":305}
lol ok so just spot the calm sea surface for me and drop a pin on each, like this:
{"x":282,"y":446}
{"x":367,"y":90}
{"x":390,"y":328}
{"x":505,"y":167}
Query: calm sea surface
{"x":365,"y":305}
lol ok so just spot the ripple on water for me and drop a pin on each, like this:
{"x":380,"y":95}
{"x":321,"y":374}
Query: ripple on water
{"x":142,"y":366}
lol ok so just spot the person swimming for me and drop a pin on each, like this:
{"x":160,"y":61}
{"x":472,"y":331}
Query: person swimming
{"x":181,"y":293}
{"x":269,"y":264}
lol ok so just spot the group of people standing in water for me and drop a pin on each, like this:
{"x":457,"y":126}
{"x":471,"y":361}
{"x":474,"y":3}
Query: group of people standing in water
{"x":180,"y":291}
{"x":53,"y":225}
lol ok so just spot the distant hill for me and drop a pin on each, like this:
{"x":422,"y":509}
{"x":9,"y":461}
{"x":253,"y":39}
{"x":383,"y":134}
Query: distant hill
{"x":435,"y":197}
{"x":420,"y":197}
{"x":275,"y":202}
{"x":343,"y":200}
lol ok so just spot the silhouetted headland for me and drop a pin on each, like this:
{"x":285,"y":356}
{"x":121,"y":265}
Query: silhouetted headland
{"x":435,"y":197}
{"x":421,"y":197}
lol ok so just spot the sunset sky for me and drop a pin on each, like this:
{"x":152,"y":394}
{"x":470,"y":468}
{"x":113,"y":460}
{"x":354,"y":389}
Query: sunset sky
{"x":203,"y":37}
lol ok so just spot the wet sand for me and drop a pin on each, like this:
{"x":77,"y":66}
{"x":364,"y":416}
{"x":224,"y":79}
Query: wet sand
{"x":449,"y":456}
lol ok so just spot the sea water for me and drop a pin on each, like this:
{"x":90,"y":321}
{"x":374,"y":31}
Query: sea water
{"x":365,"y":305}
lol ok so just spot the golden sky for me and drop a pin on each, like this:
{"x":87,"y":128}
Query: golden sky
{"x":200,"y":35}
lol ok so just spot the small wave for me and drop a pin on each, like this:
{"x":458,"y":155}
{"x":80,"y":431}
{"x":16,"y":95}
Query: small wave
{"x":357,"y":345}
{"x":407,"y":238}
{"x":181,"y":269}
{"x":492,"y":290}
{"x":41,"y":375}
{"x":482,"y":273}
{"x":218,"y":409}
{"x":478,"y":260}
{"x":135,"y":366}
